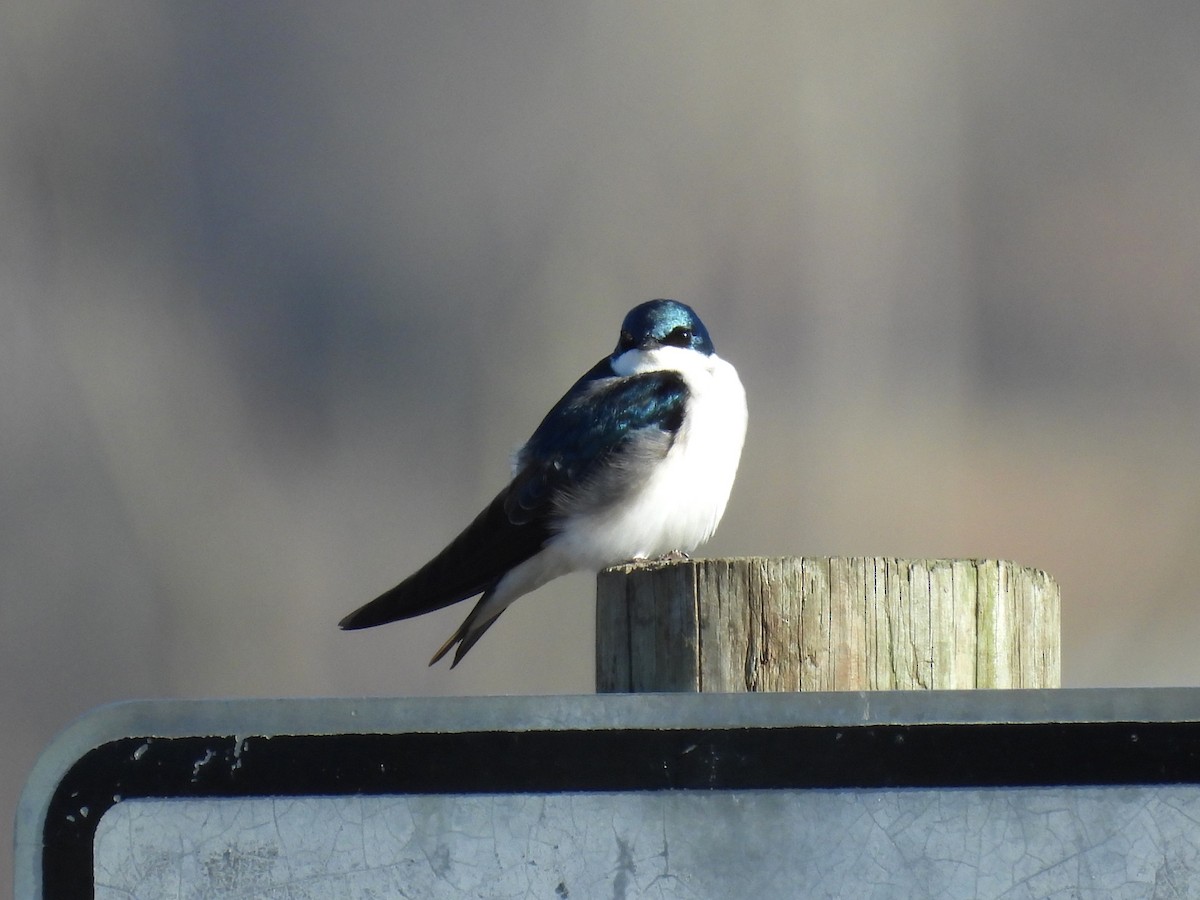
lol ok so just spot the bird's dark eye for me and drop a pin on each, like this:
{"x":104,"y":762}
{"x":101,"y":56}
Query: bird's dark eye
{"x":626,"y":341}
{"x":680,"y":336}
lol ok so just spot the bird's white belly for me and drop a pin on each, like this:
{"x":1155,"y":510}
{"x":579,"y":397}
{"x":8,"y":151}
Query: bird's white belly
{"x":680,"y":504}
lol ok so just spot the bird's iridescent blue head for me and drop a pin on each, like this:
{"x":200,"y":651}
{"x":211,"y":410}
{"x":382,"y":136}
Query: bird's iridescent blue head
{"x":663,"y":323}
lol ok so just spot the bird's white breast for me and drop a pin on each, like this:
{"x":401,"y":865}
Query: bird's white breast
{"x":681,"y":502}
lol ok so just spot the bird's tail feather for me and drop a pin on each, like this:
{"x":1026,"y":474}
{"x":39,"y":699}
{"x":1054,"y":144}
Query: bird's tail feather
{"x":470,"y":631}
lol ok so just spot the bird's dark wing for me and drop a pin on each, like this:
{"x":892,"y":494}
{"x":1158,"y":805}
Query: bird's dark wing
{"x":473,"y":562}
{"x":598,"y":425}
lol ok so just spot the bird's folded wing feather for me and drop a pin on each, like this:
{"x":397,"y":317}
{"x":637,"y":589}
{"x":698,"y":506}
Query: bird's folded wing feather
{"x":487,"y":548}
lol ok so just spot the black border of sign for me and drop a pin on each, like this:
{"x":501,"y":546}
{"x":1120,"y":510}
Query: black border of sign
{"x":600,"y":759}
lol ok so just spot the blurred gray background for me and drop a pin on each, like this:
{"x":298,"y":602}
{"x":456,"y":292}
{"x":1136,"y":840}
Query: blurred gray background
{"x":283,"y":285}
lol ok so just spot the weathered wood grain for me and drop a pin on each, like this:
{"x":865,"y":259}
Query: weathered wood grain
{"x":824,"y":624}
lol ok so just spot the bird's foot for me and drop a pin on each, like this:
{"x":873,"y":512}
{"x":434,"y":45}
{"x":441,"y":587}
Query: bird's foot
{"x":674,"y":556}
{"x":669,"y":557}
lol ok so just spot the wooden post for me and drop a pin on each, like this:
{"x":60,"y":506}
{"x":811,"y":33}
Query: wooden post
{"x":825,"y":624}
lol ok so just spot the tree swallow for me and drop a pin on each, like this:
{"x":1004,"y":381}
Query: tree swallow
{"x":636,"y":460}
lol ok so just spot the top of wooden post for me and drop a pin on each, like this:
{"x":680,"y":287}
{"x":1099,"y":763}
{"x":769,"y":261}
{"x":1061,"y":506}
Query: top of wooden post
{"x":825,"y":623}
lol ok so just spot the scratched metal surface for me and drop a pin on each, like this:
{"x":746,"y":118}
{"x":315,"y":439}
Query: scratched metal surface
{"x":1046,"y":842}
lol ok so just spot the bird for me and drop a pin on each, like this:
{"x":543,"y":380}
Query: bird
{"x":636,"y":461}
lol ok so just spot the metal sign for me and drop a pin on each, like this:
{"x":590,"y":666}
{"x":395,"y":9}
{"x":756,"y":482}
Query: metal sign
{"x":896,"y":794}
